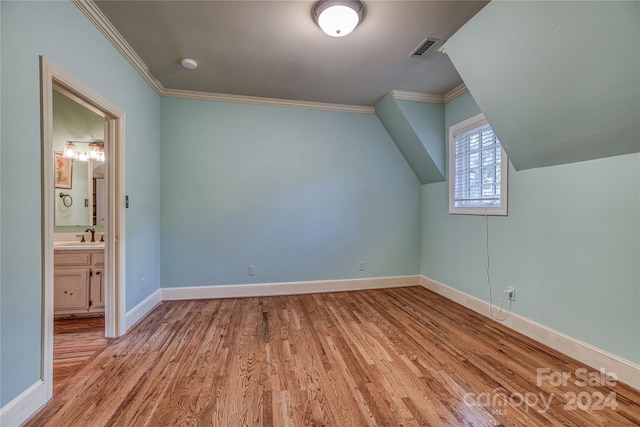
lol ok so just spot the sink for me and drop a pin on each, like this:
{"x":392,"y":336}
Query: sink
{"x":79,"y":245}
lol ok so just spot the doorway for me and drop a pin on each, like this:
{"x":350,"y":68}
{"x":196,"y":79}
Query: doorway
{"x":78,"y":276}
{"x":53,"y":78}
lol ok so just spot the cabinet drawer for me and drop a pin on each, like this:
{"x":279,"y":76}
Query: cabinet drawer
{"x":98,"y":259}
{"x":71,"y":259}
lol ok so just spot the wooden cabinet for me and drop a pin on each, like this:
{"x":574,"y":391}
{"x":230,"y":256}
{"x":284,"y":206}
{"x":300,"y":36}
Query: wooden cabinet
{"x":78,"y":282}
{"x":70,"y":291}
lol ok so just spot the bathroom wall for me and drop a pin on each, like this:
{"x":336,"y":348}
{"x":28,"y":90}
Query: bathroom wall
{"x":300,"y":194}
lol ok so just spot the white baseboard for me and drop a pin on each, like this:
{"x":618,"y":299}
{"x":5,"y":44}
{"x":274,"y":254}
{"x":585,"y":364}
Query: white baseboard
{"x":24,"y":405}
{"x":134,"y":315}
{"x":626,"y":371}
{"x":287,"y":288}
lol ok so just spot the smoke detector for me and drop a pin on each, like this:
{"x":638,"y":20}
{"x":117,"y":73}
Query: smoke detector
{"x":189,"y":64}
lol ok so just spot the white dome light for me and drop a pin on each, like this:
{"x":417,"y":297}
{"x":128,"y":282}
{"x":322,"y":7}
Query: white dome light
{"x":338,"y":18}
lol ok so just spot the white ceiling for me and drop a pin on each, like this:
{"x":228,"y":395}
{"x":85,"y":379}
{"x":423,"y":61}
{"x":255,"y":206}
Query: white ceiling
{"x":274,"y":49}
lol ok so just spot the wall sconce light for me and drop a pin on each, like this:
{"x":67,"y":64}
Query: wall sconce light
{"x":95,"y":151}
{"x":70,"y":150}
{"x":338,"y":18}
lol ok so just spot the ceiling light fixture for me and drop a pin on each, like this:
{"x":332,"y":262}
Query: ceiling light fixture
{"x":189,"y":64}
{"x":338,"y":18}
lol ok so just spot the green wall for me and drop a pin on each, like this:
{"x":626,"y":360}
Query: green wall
{"x":301,"y":194}
{"x":59,"y":31}
{"x":570,"y":246}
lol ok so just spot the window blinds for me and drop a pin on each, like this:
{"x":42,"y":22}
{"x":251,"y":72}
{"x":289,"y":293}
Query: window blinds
{"x":477,"y":168}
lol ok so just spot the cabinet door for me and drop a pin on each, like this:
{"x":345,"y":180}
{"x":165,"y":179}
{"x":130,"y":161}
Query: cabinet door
{"x":71,"y":289}
{"x":96,"y":293}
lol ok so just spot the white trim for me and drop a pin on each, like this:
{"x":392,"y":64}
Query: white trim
{"x":222,"y":97}
{"x":46,"y":114}
{"x":502,"y":210}
{"x":417,"y":96}
{"x":24,"y":405}
{"x":626,"y":371}
{"x":287,"y":288}
{"x":95,"y":15}
{"x":52,"y":76}
{"x":115,"y":228}
{"x":455,"y":92}
{"x":428,"y":97}
{"x":143,"y":308}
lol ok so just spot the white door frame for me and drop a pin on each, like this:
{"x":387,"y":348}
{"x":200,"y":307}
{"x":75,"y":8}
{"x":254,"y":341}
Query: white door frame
{"x":52,"y":77}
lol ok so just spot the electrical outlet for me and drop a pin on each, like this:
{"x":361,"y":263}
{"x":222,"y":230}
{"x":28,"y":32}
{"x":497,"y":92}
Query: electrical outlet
{"x":251,"y":271}
{"x":511,"y":293}
{"x":361,"y":266}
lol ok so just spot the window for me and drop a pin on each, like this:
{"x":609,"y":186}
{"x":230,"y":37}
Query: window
{"x":478,"y":169}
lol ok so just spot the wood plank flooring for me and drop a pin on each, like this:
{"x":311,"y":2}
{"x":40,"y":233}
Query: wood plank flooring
{"x":75,"y":342}
{"x":402,"y":356}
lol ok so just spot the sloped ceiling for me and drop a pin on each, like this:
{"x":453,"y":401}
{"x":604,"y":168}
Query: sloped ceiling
{"x":558,"y":81}
{"x":417,"y":128}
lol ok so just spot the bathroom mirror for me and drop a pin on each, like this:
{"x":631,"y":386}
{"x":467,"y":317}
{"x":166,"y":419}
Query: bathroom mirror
{"x":83,"y":203}
{"x":79,"y":184}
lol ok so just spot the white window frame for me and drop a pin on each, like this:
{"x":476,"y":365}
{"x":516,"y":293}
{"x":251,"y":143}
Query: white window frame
{"x":502,"y":209}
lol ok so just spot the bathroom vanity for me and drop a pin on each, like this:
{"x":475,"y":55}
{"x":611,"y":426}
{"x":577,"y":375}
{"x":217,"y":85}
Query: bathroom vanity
{"x":78,"y":280}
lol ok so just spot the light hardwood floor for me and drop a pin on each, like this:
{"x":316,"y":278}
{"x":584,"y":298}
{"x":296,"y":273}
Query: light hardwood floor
{"x":402,"y":356}
{"x":75,"y":342}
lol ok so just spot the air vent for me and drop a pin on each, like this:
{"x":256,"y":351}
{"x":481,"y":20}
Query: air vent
{"x":427,"y":45}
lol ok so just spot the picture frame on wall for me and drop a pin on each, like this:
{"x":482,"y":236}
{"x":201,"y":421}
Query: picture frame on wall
{"x":63,"y":171}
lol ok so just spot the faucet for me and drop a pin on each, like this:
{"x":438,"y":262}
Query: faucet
{"x":93,"y":233}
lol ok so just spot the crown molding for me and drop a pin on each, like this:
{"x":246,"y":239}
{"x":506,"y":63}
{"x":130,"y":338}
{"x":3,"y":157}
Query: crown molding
{"x":427,"y":97}
{"x":455,"y":92}
{"x":209,"y":96}
{"x":416,"y":96}
{"x":95,"y":15}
